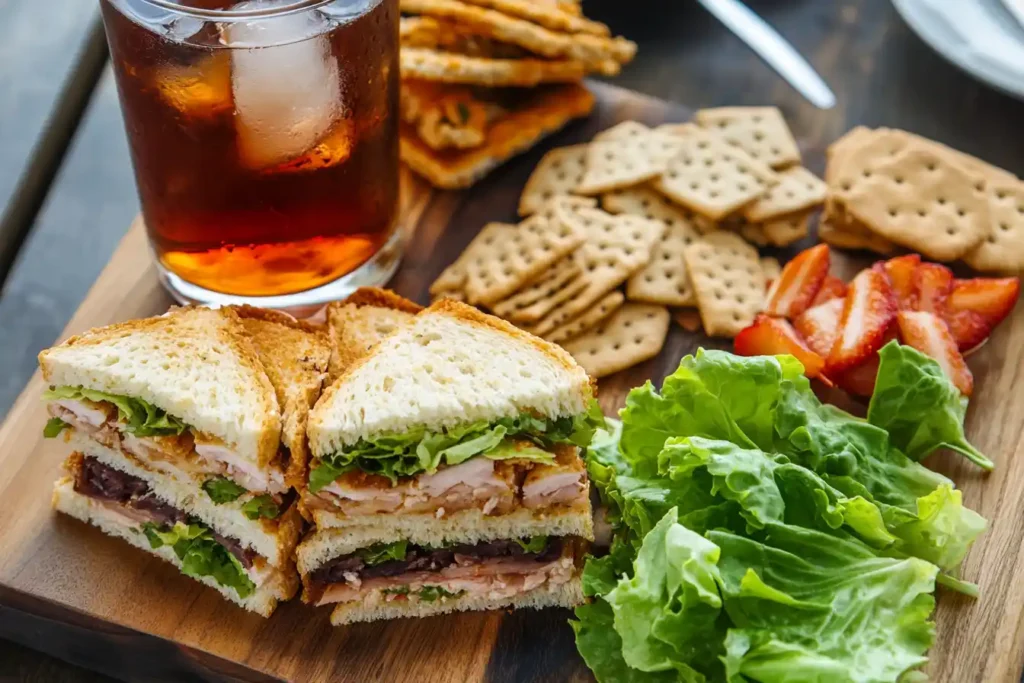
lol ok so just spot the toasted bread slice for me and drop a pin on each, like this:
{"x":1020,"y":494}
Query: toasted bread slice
{"x":197,"y":364}
{"x":568,"y":594}
{"x":295,"y":356}
{"x":451,"y":365}
{"x":277,"y":586}
{"x":361,"y":321}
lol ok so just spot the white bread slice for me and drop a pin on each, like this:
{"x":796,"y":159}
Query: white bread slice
{"x":281,"y":586}
{"x":295,"y":355}
{"x":361,"y":321}
{"x":568,"y":594}
{"x":197,"y":364}
{"x":451,"y":365}
{"x":273,"y":539}
{"x":465,"y":526}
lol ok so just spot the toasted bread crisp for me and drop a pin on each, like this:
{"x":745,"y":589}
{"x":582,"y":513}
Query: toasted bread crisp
{"x":549,"y":16}
{"x":446,"y":116}
{"x":448,"y":67}
{"x":519,"y":130}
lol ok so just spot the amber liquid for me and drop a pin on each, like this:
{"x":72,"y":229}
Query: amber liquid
{"x":262,"y":171}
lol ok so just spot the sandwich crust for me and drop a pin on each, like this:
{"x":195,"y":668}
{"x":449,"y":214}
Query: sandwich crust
{"x":361,"y":321}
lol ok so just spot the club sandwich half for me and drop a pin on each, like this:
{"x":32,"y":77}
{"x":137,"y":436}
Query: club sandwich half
{"x":446,"y":472}
{"x":187,"y":432}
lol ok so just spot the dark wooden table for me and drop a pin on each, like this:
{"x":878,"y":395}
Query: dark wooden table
{"x":66,"y":192}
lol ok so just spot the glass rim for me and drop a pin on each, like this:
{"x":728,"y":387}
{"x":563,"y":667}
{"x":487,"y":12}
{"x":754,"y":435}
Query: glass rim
{"x":232,"y":15}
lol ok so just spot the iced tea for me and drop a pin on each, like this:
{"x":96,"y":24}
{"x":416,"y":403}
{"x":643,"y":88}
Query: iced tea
{"x":264,"y":138}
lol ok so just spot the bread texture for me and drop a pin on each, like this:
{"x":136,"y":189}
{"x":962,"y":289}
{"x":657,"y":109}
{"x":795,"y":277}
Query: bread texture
{"x":361,"y":321}
{"x":197,"y":364}
{"x":262,"y":601}
{"x":568,"y":594}
{"x":451,"y":365}
{"x":295,"y":356}
{"x":274,"y":539}
{"x":465,"y":526}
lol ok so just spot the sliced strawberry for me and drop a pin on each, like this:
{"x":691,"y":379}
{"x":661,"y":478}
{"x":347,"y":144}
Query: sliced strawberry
{"x":831,"y":288}
{"x":860,"y":379}
{"x":819,"y":325}
{"x":901,"y":274}
{"x":798,"y":283}
{"x":868,"y":310}
{"x":976,"y":306}
{"x":930,"y":335}
{"x":768,"y":336}
{"x":933,"y":283}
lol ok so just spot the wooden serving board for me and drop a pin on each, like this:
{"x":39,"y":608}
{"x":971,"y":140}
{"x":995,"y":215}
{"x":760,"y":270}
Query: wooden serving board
{"x":67,"y":589}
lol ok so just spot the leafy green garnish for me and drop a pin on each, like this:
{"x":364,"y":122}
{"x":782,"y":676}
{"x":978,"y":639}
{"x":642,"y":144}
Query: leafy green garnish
{"x":463,"y":111}
{"x":534,"y":544}
{"x":421,"y":451}
{"x":378,"y":553}
{"x":201,"y":555}
{"x":140,"y":418}
{"x":261,"y":506}
{"x":54,"y":426}
{"x":916,"y":403}
{"x":397,"y":590}
{"x":434,"y":593}
{"x":222,"y":490}
{"x":760,"y":535}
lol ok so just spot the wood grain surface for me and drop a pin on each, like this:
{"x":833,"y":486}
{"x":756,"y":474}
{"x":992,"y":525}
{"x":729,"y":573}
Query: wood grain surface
{"x":97,"y":602}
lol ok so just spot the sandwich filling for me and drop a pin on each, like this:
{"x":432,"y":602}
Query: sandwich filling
{"x":521,"y":461}
{"x":161,"y":440}
{"x":127,"y":500}
{"x":386,"y":572}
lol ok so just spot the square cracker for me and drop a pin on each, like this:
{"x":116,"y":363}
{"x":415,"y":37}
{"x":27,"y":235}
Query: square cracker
{"x":713,"y":178}
{"x":603,"y":229}
{"x":797,"y":191}
{"x":604,"y":269}
{"x":784,"y":230}
{"x":531,"y":303}
{"x":921,"y":200}
{"x":646,"y":202}
{"x":771,"y":267}
{"x":727,"y":276}
{"x":558,"y":173}
{"x":761,"y":132}
{"x":627,"y":130}
{"x":626,"y":161}
{"x":588,"y":319}
{"x":633,"y":334}
{"x":1003,"y":250}
{"x":836,"y":230}
{"x":547,"y":112}
{"x":512,"y":255}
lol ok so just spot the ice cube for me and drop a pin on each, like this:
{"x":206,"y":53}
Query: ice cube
{"x":199,"y":90}
{"x":332,"y":150}
{"x":286,"y":85}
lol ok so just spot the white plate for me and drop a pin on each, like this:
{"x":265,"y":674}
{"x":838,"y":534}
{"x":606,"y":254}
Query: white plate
{"x":982,"y":37}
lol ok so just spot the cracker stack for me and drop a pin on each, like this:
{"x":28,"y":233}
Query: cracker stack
{"x":680,"y":205}
{"x":483,"y":80}
{"x":890,"y":189}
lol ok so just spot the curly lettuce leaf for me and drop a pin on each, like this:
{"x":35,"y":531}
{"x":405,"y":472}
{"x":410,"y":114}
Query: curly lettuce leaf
{"x":421,"y":451}
{"x":222,"y":490}
{"x":201,"y":555}
{"x":920,"y":408}
{"x":601,"y":647}
{"x":435,"y":593}
{"x":54,"y":426}
{"x":139,"y":417}
{"x":261,"y":506}
{"x":534,"y":544}
{"x":378,"y":553}
{"x":811,"y":607}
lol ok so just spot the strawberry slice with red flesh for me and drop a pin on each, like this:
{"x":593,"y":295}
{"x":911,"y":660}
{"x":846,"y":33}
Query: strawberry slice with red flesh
{"x":868,"y":310}
{"x":901,"y":275}
{"x":930,"y":335}
{"x":974,"y":307}
{"x":769,"y":336}
{"x":831,"y":288}
{"x":819,"y":325}
{"x":798,"y":283}
{"x":860,"y":379}
{"x":933,"y":283}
